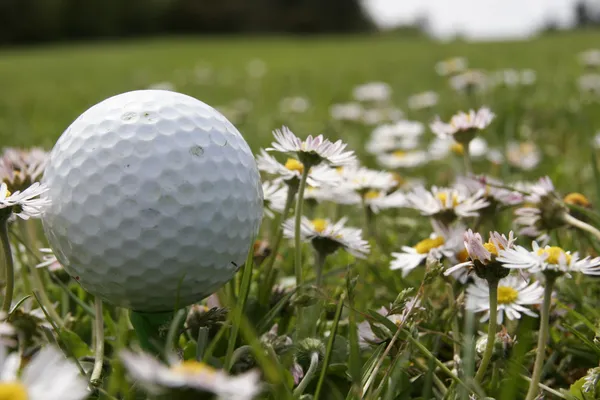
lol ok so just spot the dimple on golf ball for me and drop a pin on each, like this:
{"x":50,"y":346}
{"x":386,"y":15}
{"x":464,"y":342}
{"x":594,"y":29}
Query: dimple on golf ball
{"x":155,"y":198}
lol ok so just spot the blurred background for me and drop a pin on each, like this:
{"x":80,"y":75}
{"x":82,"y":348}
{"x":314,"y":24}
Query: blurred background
{"x":33,"y":21}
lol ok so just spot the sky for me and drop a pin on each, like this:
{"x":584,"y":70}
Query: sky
{"x":474,"y":19}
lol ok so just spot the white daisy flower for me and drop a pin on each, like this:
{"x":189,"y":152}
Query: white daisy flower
{"x":403,"y":135}
{"x":275,"y":195}
{"x":346,"y":111}
{"x":26,"y":204}
{"x":589,"y":83}
{"x":492,"y":188}
{"x":374,"y":116}
{"x":480,"y":252}
{"x":524,"y":155}
{"x":366,"y":335}
{"x":424,"y":100}
{"x":441,"y":243}
{"x":596,"y":140}
{"x":314,"y":150}
{"x":548,"y":258}
{"x":20,"y":168}
{"x":157,"y":377}
{"x":528,"y":77}
{"x":256,"y":68}
{"x":403,"y":159}
{"x":47,"y":376}
{"x":322,"y":232}
{"x":542,"y":211}
{"x":495,"y":156}
{"x":292,"y":170}
{"x":470,"y":81}
{"x":463,"y":125}
{"x":295,"y":104}
{"x":446,"y":203}
{"x":515,"y":294}
{"x":372,"y":91}
{"x":441,"y":147}
{"x":451,"y":66}
{"x":49,"y":260}
{"x":590,"y":58}
{"x":361,"y":179}
{"x":169,"y":86}
{"x":378,"y":200}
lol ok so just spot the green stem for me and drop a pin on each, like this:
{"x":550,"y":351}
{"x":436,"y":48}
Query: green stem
{"x":38,"y":286}
{"x":266,"y":286}
{"x":321,"y":257}
{"x":467,"y":160}
{"x":491,"y":336}
{"x":314,"y":363}
{"x":99,"y":353}
{"x":9,"y":266}
{"x":297,"y":244}
{"x":455,"y":324}
{"x":542,"y":339}
{"x":571,"y":220}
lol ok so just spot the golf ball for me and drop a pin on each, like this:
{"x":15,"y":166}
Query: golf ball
{"x":155,"y":198}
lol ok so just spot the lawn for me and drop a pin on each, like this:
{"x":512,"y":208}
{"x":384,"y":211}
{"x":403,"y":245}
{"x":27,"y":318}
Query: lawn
{"x":422,"y":345}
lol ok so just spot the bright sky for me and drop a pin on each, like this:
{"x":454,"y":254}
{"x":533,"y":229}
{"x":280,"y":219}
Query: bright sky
{"x":476,"y":19}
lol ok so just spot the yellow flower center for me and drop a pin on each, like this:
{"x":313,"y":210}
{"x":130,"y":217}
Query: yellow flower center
{"x":319,"y":224}
{"x":399,"y":154}
{"x":398,"y":179}
{"x":555,"y":254}
{"x":577,"y":199}
{"x":13,"y":391}
{"x":294,"y":165}
{"x":372,"y":194}
{"x":192,"y":367}
{"x":491,"y":247}
{"x":526,"y":148}
{"x":457,"y":148}
{"x":425,"y":246}
{"x":463,"y":256}
{"x":443,"y":198}
{"x":507,"y":295}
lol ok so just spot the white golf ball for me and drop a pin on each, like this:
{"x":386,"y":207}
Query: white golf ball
{"x":155,"y":200}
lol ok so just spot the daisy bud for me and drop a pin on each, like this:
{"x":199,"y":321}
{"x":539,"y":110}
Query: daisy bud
{"x":306,"y":348}
{"x":502,"y":345}
{"x":200,"y":316}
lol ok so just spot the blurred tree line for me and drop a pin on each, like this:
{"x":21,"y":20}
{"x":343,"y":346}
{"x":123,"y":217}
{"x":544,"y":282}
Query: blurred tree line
{"x":31,"y":21}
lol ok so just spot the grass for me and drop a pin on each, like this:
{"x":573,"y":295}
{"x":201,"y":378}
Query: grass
{"x":42,"y":90}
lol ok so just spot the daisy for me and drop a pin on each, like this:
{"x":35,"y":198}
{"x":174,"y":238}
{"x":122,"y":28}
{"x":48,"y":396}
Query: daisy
{"x":372,"y":91}
{"x":275,"y":196}
{"x":374,"y":116}
{"x":403,"y":135}
{"x":543,"y":211}
{"x":482,"y":255}
{"x":295,"y":104}
{"x":19,"y":168}
{"x":515,"y":293}
{"x":168,"y":86}
{"x":256,"y":68}
{"x":577,"y":199}
{"x":157,"y":377}
{"x":441,"y":243}
{"x":328,"y":237}
{"x":47,"y":376}
{"x":49,"y":260}
{"x":441,"y":147}
{"x":463,"y":126}
{"x":596,"y":140}
{"x":446,"y":204}
{"x":403,"y":159}
{"x":548,"y":258}
{"x":590,"y":58}
{"x":424,"y":100}
{"x":312,"y":151}
{"x":367,"y":336}
{"x":26,"y":204}
{"x":524,"y":155}
{"x":378,"y":200}
{"x":362,"y":180}
{"x":589,"y":83}
{"x":528,"y":77}
{"x":292,"y":170}
{"x":470,"y":81}
{"x":451,"y":66}
{"x":346,"y":111}
{"x":493,"y":190}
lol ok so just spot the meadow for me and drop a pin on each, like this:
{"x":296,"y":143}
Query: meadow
{"x":356,"y":327}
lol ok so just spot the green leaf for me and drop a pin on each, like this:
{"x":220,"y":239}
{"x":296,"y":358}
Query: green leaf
{"x":76,"y":345}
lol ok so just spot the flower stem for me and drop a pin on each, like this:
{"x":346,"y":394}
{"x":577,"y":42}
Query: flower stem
{"x":542,"y":339}
{"x":455,"y":325}
{"x":268,"y":270}
{"x":297,"y":242}
{"x":9,"y":266}
{"x":491,"y":336}
{"x":99,"y":334}
{"x":571,"y":220}
{"x":321,"y":257}
{"x":467,"y":160}
{"x":38,"y":286}
{"x":312,"y":368}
